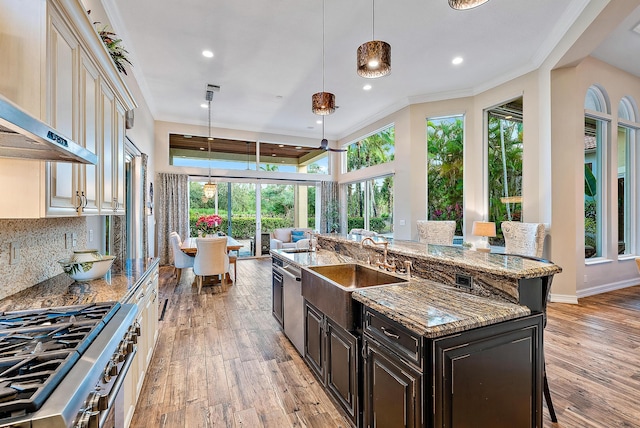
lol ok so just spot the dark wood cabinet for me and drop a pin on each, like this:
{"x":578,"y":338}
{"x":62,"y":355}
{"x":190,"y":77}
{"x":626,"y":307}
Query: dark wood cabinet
{"x":332,"y":353}
{"x":342,"y":367}
{"x":392,"y":389}
{"x":490,"y":376}
{"x":314,"y":342}
{"x":277,"y":307}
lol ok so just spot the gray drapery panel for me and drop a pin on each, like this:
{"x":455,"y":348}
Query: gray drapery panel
{"x":329,"y":215}
{"x":172,"y":212}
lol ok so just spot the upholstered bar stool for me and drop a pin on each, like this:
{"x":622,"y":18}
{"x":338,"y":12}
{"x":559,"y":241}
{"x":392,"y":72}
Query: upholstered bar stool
{"x":527,"y":239}
{"x":436,"y":232}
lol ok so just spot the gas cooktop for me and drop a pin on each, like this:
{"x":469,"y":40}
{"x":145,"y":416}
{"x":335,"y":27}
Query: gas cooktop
{"x":39,"y":347}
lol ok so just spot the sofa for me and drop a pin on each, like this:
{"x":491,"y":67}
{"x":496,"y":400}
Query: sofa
{"x":288,"y":237}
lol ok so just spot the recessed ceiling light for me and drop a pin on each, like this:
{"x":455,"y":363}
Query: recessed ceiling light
{"x":319,"y":122}
{"x":457,"y":60}
{"x":204,"y":105}
{"x":298,"y":147}
{"x":207,"y":54}
{"x":273,"y":154}
{"x":366,"y":87}
{"x":280,"y":145}
{"x":201,"y":148}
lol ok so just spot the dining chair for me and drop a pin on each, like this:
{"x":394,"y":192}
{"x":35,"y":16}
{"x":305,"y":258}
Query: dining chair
{"x":233,"y":260}
{"x":437,"y":232}
{"x":180,"y":259}
{"x":525,"y":239}
{"x":211,"y":259}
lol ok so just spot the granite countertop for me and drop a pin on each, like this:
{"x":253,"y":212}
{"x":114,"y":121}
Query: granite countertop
{"x":423,"y":306}
{"x":435,"y":310}
{"x":63,"y":291}
{"x":511,"y":266}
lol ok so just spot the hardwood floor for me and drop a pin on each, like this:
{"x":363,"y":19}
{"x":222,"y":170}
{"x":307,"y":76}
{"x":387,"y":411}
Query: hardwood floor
{"x":592,"y":352}
{"x":221,"y":360}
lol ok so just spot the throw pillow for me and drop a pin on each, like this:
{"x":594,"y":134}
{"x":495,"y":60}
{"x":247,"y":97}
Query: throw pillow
{"x":297,"y":235}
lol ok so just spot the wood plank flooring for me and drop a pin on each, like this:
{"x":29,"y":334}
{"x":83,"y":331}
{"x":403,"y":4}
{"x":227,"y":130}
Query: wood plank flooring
{"x":221,"y":360}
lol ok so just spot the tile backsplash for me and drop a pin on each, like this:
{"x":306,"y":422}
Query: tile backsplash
{"x":41,"y":244}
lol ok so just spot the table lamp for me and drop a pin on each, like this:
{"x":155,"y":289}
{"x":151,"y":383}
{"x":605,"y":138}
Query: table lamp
{"x":484,"y":229}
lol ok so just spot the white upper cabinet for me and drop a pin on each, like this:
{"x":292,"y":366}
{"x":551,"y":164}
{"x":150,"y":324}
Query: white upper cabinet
{"x":58,"y":70}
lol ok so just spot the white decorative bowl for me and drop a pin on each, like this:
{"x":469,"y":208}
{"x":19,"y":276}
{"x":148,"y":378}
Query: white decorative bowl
{"x":87,"y":270}
{"x":86,"y":256}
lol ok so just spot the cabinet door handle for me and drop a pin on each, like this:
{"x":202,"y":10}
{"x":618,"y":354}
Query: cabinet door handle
{"x":389,"y":334}
{"x":84,"y":197}
{"x":79,"y":198}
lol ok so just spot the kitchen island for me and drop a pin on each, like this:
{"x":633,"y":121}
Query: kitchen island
{"x":413,"y":345}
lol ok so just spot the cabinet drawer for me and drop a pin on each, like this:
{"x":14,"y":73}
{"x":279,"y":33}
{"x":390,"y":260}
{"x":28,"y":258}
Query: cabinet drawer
{"x":397,"y":338}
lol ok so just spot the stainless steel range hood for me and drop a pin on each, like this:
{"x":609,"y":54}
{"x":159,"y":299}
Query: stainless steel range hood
{"x":23,"y":136}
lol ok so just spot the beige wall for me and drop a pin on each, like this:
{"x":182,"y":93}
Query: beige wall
{"x":569,"y":87}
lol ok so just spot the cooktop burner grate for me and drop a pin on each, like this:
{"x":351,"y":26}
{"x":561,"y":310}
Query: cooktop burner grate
{"x":39,"y":347}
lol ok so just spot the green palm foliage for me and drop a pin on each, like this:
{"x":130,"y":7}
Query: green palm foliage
{"x":445,"y":160}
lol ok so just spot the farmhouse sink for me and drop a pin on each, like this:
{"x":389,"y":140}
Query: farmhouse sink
{"x":329,"y":288}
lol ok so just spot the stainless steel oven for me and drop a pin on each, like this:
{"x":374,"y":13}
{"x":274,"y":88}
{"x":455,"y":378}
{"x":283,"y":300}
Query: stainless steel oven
{"x":65,"y":367}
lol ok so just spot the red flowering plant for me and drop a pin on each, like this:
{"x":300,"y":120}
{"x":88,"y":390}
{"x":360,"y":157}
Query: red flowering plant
{"x":208,"y":224}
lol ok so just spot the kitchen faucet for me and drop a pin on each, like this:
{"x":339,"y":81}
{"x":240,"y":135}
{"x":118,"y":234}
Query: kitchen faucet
{"x":384,"y":264}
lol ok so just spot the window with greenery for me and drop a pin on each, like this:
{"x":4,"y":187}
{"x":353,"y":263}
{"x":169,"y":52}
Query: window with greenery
{"x":375,"y":149}
{"x":625,"y":141}
{"x":288,"y":158}
{"x":504,"y":157}
{"x":370,"y":205}
{"x":595,"y":143}
{"x":221,"y":153}
{"x":445,"y":157}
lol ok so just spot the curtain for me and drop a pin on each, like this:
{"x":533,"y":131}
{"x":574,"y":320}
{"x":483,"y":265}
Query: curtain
{"x":329,"y":215}
{"x":172,"y":212}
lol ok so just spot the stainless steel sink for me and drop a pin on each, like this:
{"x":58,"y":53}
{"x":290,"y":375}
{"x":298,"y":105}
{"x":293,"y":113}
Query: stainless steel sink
{"x":329,"y":288}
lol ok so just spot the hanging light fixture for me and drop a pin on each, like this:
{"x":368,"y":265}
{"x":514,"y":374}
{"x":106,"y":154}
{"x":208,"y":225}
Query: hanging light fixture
{"x":209,"y":188}
{"x":466,"y":4}
{"x":323,"y":103}
{"x":374,"y":57}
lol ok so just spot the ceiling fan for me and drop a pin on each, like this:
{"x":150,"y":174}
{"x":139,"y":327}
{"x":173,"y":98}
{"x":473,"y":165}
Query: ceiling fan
{"x":324,"y":143}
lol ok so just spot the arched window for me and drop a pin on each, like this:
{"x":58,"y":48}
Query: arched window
{"x":596,"y":123}
{"x":625,"y":148}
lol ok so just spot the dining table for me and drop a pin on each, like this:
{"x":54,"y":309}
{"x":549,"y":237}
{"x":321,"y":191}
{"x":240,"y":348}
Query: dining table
{"x":189,"y":245}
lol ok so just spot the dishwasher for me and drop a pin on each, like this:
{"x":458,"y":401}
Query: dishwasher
{"x":293,"y":303}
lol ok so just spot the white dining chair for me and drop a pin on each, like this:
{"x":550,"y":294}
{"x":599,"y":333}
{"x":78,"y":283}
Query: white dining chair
{"x":211,"y":259}
{"x":180,"y":259}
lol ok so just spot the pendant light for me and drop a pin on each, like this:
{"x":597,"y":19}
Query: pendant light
{"x":323,"y":103}
{"x":374,"y":57}
{"x":466,"y":4}
{"x":209,"y":188}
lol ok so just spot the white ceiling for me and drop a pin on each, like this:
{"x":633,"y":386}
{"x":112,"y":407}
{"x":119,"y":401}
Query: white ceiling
{"x":268,"y":55}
